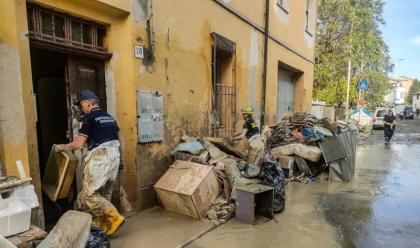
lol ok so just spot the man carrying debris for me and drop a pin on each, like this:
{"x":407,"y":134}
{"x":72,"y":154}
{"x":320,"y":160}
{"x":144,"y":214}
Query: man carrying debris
{"x":389,"y":126}
{"x":104,"y":141}
{"x":251,"y":132}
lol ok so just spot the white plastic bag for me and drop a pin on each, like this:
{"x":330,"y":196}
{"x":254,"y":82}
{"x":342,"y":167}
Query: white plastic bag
{"x":27,"y":195}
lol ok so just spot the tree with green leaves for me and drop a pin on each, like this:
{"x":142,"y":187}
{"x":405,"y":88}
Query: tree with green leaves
{"x":350,"y":29}
{"x":415,"y":88}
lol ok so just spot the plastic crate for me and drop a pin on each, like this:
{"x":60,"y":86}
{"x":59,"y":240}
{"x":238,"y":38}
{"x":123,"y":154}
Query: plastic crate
{"x":15,"y":217}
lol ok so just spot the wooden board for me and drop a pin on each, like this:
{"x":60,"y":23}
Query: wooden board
{"x":223,"y":145}
{"x":24,"y":239}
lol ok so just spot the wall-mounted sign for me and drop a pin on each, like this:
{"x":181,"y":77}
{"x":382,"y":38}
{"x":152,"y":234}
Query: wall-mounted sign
{"x":138,"y":51}
{"x":150,"y":121}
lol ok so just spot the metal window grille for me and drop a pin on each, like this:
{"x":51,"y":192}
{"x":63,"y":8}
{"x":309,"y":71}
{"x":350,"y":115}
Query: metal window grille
{"x":224,"y":94}
{"x":225,"y":104}
{"x":58,"y":28}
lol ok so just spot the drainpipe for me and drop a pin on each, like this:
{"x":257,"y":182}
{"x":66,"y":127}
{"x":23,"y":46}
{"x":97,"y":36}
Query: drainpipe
{"x":264,"y":79}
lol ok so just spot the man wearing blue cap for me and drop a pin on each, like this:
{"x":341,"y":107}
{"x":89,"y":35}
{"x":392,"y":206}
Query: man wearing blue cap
{"x":104,"y":142}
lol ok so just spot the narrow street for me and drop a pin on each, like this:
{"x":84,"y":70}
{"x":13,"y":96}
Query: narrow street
{"x":378,"y":209}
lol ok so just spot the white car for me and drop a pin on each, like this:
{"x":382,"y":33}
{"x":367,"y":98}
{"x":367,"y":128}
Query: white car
{"x":378,"y":117}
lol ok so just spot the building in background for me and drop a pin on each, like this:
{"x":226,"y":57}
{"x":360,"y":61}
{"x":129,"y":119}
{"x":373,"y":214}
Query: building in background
{"x":416,"y":101}
{"x":399,"y":91}
{"x":162,"y":68}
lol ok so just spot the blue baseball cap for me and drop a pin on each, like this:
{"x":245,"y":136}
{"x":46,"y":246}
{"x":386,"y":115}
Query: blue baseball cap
{"x":86,"y":95}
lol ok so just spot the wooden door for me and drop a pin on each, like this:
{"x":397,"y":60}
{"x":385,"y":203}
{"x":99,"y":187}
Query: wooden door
{"x":83,"y":74}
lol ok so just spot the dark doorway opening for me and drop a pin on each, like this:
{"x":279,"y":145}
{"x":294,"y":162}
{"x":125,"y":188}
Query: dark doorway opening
{"x":57,"y":80}
{"x":49,"y":84}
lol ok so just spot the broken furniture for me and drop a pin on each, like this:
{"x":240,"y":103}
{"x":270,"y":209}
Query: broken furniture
{"x":188,"y":188}
{"x":59,"y":174}
{"x":339,"y":153}
{"x":253,"y":200}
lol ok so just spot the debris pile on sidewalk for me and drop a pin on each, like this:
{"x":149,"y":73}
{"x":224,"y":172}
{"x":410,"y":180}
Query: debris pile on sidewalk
{"x":299,"y":148}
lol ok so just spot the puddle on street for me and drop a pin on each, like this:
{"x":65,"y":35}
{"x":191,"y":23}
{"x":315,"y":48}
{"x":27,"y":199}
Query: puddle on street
{"x":383,"y":210}
{"x":378,"y":209}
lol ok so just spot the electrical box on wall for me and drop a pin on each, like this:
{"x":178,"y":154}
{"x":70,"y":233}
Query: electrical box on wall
{"x":150,"y":116}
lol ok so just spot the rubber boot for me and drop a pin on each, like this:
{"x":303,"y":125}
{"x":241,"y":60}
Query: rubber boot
{"x":115,"y":220}
{"x":100,"y":222}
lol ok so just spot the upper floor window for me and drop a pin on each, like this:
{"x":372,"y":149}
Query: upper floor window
{"x":283,"y":5}
{"x":60,"y":28}
{"x":309,"y":12}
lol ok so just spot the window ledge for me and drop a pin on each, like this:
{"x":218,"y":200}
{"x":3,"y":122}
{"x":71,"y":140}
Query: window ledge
{"x":308,"y":32}
{"x":283,"y":8}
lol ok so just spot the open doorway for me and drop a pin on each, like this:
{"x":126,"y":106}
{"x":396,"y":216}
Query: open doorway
{"x":49,"y":84}
{"x":68,"y":55}
{"x":57,"y":80}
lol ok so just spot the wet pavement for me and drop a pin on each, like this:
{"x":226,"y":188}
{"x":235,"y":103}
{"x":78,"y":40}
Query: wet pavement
{"x":380,"y":208}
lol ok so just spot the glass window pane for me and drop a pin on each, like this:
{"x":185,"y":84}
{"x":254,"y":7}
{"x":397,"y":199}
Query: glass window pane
{"x":87,"y":33}
{"x":59,"y":26}
{"x":30,"y":19}
{"x":46,"y":19}
{"x":76,"y":31}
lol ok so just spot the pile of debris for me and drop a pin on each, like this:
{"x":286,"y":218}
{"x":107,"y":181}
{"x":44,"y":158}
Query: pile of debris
{"x":300,"y":148}
{"x":190,"y":177}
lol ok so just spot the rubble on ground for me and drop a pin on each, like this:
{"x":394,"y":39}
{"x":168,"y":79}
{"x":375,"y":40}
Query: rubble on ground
{"x":293,"y":153}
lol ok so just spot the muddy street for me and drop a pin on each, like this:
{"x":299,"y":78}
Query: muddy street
{"x":378,"y":209}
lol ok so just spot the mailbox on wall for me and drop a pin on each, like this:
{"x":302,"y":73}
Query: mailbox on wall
{"x":150,"y":116}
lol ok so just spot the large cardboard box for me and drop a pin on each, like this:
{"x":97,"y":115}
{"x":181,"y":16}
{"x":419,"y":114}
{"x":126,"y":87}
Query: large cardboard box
{"x":188,"y":188}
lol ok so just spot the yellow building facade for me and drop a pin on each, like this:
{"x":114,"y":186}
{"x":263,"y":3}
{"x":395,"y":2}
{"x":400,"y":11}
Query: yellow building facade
{"x":204,"y":59}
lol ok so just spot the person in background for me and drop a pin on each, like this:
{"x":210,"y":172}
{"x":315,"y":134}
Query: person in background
{"x":389,"y":126}
{"x":105,"y":157}
{"x":417,"y":112}
{"x":251,"y":133}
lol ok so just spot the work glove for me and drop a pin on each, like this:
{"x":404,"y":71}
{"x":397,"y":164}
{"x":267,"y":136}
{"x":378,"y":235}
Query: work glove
{"x":59,"y":148}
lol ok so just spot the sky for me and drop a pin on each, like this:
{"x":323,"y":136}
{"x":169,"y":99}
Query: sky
{"x":402,"y":35}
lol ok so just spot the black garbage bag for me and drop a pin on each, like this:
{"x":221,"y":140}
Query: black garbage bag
{"x":97,"y":238}
{"x":272,"y":175}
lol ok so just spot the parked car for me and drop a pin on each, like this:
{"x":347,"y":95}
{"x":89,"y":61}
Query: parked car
{"x":378,"y":117}
{"x":408,"y":113}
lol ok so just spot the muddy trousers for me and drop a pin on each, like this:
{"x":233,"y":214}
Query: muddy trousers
{"x":99,"y":175}
{"x":388,"y":132}
{"x":256,"y":148}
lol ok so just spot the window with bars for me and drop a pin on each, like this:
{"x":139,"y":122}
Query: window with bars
{"x":63,"y":29}
{"x":283,"y":5}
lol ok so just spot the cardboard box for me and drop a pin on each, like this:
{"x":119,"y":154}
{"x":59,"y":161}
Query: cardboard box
{"x":188,"y":188}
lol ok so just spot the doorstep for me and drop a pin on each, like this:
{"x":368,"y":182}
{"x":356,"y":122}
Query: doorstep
{"x":157,"y":227}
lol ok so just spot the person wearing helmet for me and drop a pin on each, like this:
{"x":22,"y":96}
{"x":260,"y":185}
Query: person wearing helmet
{"x":251,"y":133}
{"x":104,"y":158}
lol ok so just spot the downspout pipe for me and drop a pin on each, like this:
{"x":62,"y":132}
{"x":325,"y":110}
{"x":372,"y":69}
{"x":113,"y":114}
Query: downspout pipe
{"x":264,"y":75}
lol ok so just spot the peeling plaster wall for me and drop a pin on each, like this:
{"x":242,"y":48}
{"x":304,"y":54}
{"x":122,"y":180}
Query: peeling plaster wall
{"x":17,"y":111}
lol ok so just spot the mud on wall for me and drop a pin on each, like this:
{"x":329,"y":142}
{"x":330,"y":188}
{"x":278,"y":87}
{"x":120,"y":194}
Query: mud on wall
{"x":180,"y":39}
